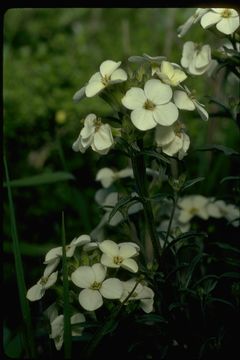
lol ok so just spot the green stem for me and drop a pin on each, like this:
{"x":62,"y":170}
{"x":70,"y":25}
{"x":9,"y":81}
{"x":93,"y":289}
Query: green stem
{"x":139,"y":171}
{"x":26,"y":314}
{"x":171,"y":218}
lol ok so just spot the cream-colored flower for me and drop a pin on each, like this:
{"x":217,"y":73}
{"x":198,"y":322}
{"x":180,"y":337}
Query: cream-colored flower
{"x":142,"y":293}
{"x":94,"y":134}
{"x":196,"y":58}
{"x":226,"y":20}
{"x":119,"y":255}
{"x":183,"y":29}
{"x":107,"y":176}
{"x":49,"y":278}
{"x":171,"y":74}
{"x":193,"y":205}
{"x":92,"y":280}
{"x":151,"y":106}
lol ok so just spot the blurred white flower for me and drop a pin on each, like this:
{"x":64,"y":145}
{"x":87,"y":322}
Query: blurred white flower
{"x":171,"y":74}
{"x":226,"y":20}
{"x":151,"y":106}
{"x":49,"y":278}
{"x":219,"y":208}
{"x":154,"y":61}
{"x":142,"y":293}
{"x":193,"y":205}
{"x":57,"y":327}
{"x":196,"y":58}
{"x":92,"y":280}
{"x":109,"y":74}
{"x":107,"y":176}
{"x":182,"y":30}
{"x":173,"y":140}
{"x":119,"y":255}
{"x":94,"y":134}
{"x":185,"y":100}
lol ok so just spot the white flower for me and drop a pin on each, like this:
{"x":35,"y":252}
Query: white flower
{"x":57,"y":328}
{"x":226,"y":20}
{"x":142,"y":293}
{"x":192,"y":20}
{"x":173,"y":140}
{"x":53,"y":255}
{"x":94,"y":134}
{"x":154,"y":61}
{"x":196,"y":58}
{"x":91,"y":279}
{"x":107,"y":176}
{"x":219,"y":208}
{"x":184,"y":100}
{"x":171,"y":75}
{"x":108,"y":74}
{"x":37,"y":291}
{"x":119,"y":255}
{"x":151,"y":106}
{"x":193,"y":205}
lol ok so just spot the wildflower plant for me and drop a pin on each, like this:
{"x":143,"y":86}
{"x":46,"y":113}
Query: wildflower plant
{"x":149,"y":262}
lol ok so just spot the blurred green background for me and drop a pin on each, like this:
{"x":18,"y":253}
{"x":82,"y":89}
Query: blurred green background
{"x":48,"y":55}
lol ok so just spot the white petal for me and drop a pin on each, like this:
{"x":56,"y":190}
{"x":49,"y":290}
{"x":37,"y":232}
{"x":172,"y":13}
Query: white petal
{"x":57,"y":326}
{"x":127,"y":250}
{"x":157,"y":92}
{"x":164,"y":135}
{"x":167,"y":69}
{"x":204,"y":57}
{"x":77,"y":318}
{"x":132,"y":244}
{"x":108,"y":67}
{"x":90,"y":299}
{"x":90,"y":246}
{"x":199,"y":201}
{"x":94,"y":88}
{"x":174,"y":146}
{"x":185,"y":216}
{"x":146,"y":305}
{"x":51,"y":280}
{"x":202,"y":213}
{"x":81,"y":240}
{"x":118,"y":75}
{"x":99,"y":272}
{"x":80,"y":94}
{"x":187,"y":54}
{"x":111,"y":288}
{"x":95,"y":77}
{"x":107,"y":260}
{"x":51,"y":265}
{"x":202,"y":112}
{"x":130,"y":265}
{"x":213,"y":210}
{"x":165,"y":114}
{"x":209,"y":19}
{"x":35,"y":293}
{"x":182,"y":101}
{"x":51,"y":312}
{"x":109,"y":247}
{"x":116,"y":219}
{"x":143,"y":119}
{"x":53,"y":254}
{"x":83,"y":277}
{"x":125,"y":173}
{"x":228,"y":25}
{"x":103,"y":137}
{"x":137,"y":59}
{"x":134,"y":98}
{"x":106,"y":176}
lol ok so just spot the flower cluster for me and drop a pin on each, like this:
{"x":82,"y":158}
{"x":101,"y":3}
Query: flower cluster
{"x":95,"y":271}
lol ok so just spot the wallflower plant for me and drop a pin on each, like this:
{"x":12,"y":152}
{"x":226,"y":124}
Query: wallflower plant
{"x":149,"y":261}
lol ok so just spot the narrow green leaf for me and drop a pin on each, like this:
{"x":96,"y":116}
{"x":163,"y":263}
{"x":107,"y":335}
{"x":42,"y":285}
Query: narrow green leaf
{"x":123,"y":202}
{"x":226,"y":150}
{"x":46,"y":178}
{"x":191,"y":182}
{"x":29,"y":249}
{"x":229,"y":178}
{"x":156,"y":155}
{"x":192,"y":267}
{"x":66,"y":311}
{"x":26,"y":314}
{"x":227,"y":247}
{"x":231,"y":275}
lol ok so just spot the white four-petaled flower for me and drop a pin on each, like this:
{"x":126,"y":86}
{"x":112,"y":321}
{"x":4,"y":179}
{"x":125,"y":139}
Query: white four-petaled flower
{"x":119,"y":255}
{"x":49,"y":278}
{"x":142,"y":293}
{"x":173,"y":140}
{"x":151,"y":106}
{"x":109,"y":74}
{"x":107,"y":176}
{"x":185,"y":100}
{"x":194,"y":205}
{"x":226,"y":20}
{"x":94,"y":134}
{"x":196,"y":58}
{"x":92,"y":280}
{"x":171,"y":74}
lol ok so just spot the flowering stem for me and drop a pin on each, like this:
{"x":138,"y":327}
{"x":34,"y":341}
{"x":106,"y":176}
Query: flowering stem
{"x":171,"y":217}
{"x":139,"y":171}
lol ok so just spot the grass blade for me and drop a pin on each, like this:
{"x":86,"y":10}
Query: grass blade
{"x":66,"y":312}
{"x":25,"y":309}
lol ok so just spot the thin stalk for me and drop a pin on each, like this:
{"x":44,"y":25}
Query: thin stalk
{"x":66,"y":310}
{"x":171,"y":218}
{"x":25,"y":308}
{"x":139,"y":171}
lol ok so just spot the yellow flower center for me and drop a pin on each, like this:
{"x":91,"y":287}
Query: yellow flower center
{"x":105,"y":80}
{"x":43,"y":280}
{"x":193,"y":211}
{"x":149,"y":105}
{"x":117,"y":260}
{"x":226,"y":13}
{"x":96,"y":285}
{"x":97,"y":124}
